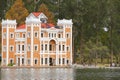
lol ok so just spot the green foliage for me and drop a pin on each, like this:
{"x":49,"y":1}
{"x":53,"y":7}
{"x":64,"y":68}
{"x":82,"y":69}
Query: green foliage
{"x":89,"y":18}
{"x":43,"y":8}
{"x":18,"y":12}
{"x":10,"y":64}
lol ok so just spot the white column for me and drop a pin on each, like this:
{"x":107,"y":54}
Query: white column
{"x":48,"y":47}
{"x":61,"y":54}
{"x":20,"y":60}
{"x":16,"y":60}
{"x":48,"y":53}
{"x":32,"y":45}
{"x":57,"y":45}
{"x":2,"y":48}
{"x":71,"y":48}
{"x":7,"y":46}
{"x":65,"y":53}
{"x":64,"y":31}
{"x":40,"y":58}
{"x":25,"y":54}
{"x":43,"y":60}
{"x":65,"y":60}
{"x":20,"y":47}
{"x":43,"y":47}
{"x":48,"y":60}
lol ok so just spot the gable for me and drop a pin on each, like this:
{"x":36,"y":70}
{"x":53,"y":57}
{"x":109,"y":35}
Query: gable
{"x":42,"y":16}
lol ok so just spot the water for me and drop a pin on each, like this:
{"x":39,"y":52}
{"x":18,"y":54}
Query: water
{"x":60,"y":74}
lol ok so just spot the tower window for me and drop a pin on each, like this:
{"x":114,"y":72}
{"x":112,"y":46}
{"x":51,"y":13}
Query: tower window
{"x":28,"y":61}
{"x":11,"y":35}
{"x":67,"y":48}
{"x":36,"y":34}
{"x":4,"y":35}
{"x":28,"y":47}
{"x":4,"y":48}
{"x":28,"y":34}
{"x":11,"y":48}
{"x":36,"y":47}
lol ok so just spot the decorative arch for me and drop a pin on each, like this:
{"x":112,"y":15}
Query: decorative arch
{"x":52,"y":45}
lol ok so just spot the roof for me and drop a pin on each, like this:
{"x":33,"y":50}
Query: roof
{"x":36,"y":13}
{"x":21,"y":26}
{"x":43,"y":25}
{"x":47,"y":25}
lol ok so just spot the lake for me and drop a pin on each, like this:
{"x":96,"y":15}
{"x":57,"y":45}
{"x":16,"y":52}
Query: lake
{"x":59,"y":74}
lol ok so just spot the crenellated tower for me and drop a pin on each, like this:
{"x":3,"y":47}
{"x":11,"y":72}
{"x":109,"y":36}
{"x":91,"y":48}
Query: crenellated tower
{"x":8,"y":41}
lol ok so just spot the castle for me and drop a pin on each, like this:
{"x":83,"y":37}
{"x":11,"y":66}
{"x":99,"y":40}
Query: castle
{"x":37,"y":42}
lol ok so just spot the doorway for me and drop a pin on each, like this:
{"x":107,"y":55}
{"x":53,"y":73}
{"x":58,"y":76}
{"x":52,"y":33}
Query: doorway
{"x":50,"y":61}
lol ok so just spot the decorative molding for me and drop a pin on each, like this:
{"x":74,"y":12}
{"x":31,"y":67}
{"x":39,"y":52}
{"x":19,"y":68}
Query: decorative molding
{"x":65,"y":22}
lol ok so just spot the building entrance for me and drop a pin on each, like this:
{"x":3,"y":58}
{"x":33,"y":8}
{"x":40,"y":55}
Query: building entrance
{"x":50,"y":61}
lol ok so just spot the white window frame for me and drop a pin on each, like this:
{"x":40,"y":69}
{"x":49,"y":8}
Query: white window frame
{"x":17,"y":35}
{"x":28,"y":34}
{"x":29,"y":61}
{"x":4,"y":61}
{"x":4,"y":35}
{"x":28,"y":48}
{"x":12,"y":48}
{"x":4,"y":48}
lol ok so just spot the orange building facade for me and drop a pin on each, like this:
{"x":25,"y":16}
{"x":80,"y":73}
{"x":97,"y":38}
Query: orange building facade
{"x":37,"y":42}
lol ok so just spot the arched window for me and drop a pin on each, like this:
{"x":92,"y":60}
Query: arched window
{"x":52,"y":45}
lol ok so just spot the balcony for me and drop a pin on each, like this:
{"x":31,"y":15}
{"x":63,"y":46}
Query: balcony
{"x":20,"y":39}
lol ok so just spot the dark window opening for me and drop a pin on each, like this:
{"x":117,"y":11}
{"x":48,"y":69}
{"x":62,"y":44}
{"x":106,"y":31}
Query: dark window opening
{"x":45,"y":60}
{"x":63,"y":61}
{"x":35,"y":61}
{"x":50,"y":47}
{"x":41,"y":60}
{"x":22,"y":61}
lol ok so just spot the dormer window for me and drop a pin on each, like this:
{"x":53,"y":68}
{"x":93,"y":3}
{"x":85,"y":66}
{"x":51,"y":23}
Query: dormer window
{"x":43,"y":20}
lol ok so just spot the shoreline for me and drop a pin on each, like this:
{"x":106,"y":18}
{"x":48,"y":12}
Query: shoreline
{"x":30,"y":67}
{"x":78,"y":66}
{"x":74,"y":66}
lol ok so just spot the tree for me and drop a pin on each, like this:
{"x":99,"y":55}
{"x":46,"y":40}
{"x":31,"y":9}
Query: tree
{"x":43,"y":8}
{"x":18,"y":12}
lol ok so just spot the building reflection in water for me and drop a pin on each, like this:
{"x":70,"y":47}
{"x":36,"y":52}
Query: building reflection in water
{"x":38,"y":74}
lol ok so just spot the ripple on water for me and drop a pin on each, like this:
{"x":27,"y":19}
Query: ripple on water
{"x":37,"y":74}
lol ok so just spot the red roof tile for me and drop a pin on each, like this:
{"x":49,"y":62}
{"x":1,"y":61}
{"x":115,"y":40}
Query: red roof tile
{"x":36,"y":13}
{"x":47,"y":25}
{"x":21,"y":26}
